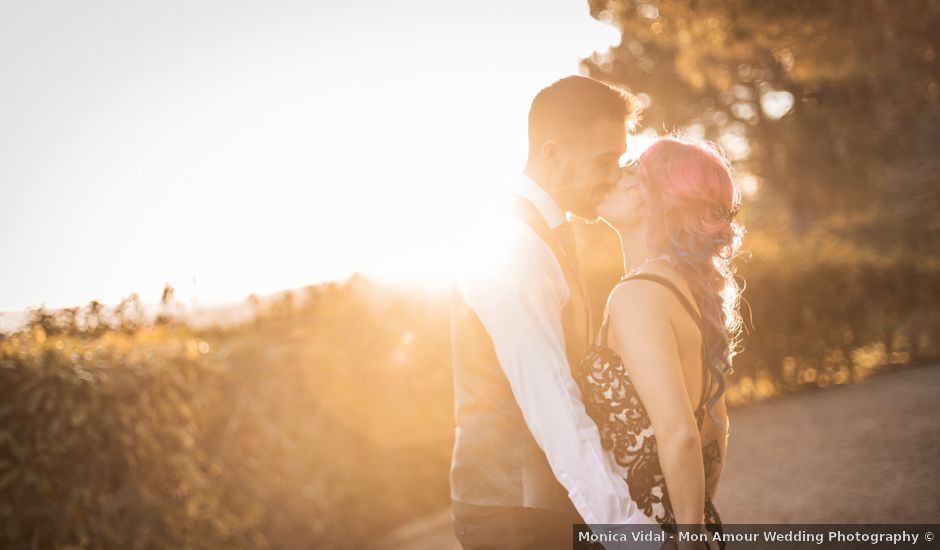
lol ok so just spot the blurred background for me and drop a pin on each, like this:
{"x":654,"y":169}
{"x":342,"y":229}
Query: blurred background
{"x":226,"y":251}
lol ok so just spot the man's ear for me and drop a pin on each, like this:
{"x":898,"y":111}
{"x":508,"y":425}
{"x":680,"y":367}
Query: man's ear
{"x":553,"y":154}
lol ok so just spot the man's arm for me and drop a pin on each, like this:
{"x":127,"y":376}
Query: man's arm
{"x":520,"y":305}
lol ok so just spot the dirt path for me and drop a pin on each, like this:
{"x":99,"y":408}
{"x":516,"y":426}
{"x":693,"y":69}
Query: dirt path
{"x":866,"y":453}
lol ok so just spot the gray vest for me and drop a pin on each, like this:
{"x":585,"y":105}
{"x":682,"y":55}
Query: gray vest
{"x":496,"y":461}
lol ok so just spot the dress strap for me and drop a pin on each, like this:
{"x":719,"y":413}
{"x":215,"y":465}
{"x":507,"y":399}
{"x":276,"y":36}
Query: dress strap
{"x":675,"y":290}
{"x":686,"y":304}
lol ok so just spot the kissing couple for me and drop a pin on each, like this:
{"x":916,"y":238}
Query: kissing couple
{"x":558,"y":424}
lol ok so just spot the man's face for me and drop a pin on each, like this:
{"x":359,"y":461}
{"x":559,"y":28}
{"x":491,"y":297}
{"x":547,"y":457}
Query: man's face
{"x":591,"y":168}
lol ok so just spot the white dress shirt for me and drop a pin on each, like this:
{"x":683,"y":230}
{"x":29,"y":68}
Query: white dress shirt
{"x":518,"y":294}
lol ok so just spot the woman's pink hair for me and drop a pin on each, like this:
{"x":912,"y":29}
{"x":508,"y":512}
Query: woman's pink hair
{"x":692,"y":202}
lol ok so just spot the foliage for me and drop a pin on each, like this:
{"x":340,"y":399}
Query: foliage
{"x":327,"y":420}
{"x":283,"y":432}
{"x":834,"y":106}
{"x":103,"y":442}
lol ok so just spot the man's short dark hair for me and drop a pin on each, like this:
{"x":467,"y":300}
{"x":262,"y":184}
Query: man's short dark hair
{"x":577,"y":102}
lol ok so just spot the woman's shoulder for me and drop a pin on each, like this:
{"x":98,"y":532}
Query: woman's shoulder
{"x":642,"y":293}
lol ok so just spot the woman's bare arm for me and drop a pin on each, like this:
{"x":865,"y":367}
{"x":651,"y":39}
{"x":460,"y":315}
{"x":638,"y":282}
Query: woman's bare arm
{"x":717,"y":434}
{"x":646,"y":342}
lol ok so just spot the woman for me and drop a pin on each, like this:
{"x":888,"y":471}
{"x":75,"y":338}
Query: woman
{"x":670,"y":331}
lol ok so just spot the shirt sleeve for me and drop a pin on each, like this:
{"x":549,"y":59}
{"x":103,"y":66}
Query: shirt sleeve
{"x":520,"y":304}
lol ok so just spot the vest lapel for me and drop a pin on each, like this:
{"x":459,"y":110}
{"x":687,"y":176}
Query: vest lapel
{"x":578,"y":335}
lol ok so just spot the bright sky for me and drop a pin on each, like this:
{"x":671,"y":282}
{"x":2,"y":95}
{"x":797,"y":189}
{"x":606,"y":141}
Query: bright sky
{"x":232,"y":147}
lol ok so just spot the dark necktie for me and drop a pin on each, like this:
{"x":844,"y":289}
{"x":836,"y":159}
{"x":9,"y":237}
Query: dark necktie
{"x":565,"y":235}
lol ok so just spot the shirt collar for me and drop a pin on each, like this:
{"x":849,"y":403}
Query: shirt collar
{"x":526,"y":187}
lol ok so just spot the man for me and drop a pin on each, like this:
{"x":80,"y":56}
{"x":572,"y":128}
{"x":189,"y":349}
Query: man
{"x":528,"y":461}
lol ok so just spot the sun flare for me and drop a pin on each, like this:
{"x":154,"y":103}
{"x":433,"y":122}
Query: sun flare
{"x":227,"y":163}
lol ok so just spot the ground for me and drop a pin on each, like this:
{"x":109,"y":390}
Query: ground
{"x":865,"y":453}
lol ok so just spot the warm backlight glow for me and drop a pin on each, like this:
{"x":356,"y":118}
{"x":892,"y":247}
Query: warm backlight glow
{"x":272,"y":146}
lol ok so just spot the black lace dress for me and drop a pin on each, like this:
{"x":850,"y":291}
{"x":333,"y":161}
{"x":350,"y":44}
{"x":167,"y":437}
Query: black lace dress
{"x":613,"y":403}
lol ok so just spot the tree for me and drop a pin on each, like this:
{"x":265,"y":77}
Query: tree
{"x":833,"y":106}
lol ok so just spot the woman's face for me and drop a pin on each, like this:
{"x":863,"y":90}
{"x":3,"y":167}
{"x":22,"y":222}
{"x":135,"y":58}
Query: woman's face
{"x":624,"y":207}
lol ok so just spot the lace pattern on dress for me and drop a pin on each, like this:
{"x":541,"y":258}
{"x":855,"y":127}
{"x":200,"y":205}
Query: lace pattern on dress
{"x":612,"y":401}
